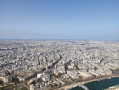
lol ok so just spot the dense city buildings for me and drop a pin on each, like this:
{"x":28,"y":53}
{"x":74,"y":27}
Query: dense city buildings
{"x":47,"y":65}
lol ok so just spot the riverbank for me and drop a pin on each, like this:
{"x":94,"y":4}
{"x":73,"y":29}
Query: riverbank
{"x":67,"y":87}
{"x":116,"y":87}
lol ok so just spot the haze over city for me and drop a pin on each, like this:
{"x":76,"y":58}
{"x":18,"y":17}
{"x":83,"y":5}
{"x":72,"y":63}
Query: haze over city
{"x":59,"y":19}
{"x":59,"y":44}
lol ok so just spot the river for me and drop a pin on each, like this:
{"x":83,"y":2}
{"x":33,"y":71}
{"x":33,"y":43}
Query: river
{"x":100,"y":85}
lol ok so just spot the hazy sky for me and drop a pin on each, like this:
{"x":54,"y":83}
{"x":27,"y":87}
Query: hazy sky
{"x":59,"y":19}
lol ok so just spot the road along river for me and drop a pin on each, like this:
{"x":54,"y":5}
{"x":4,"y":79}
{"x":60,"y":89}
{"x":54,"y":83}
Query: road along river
{"x":100,"y":85}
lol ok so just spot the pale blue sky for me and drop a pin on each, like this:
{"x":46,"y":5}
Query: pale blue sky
{"x":59,"y":19}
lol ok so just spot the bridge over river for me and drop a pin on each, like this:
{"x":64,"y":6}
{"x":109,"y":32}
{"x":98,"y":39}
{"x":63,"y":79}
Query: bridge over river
{"x":84,"y":87}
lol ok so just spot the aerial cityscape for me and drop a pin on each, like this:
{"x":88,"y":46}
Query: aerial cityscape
{"x":59,"y":44}
{"x":53,"y":65}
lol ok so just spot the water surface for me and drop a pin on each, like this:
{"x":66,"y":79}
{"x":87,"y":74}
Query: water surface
{"x":100,"y":85}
